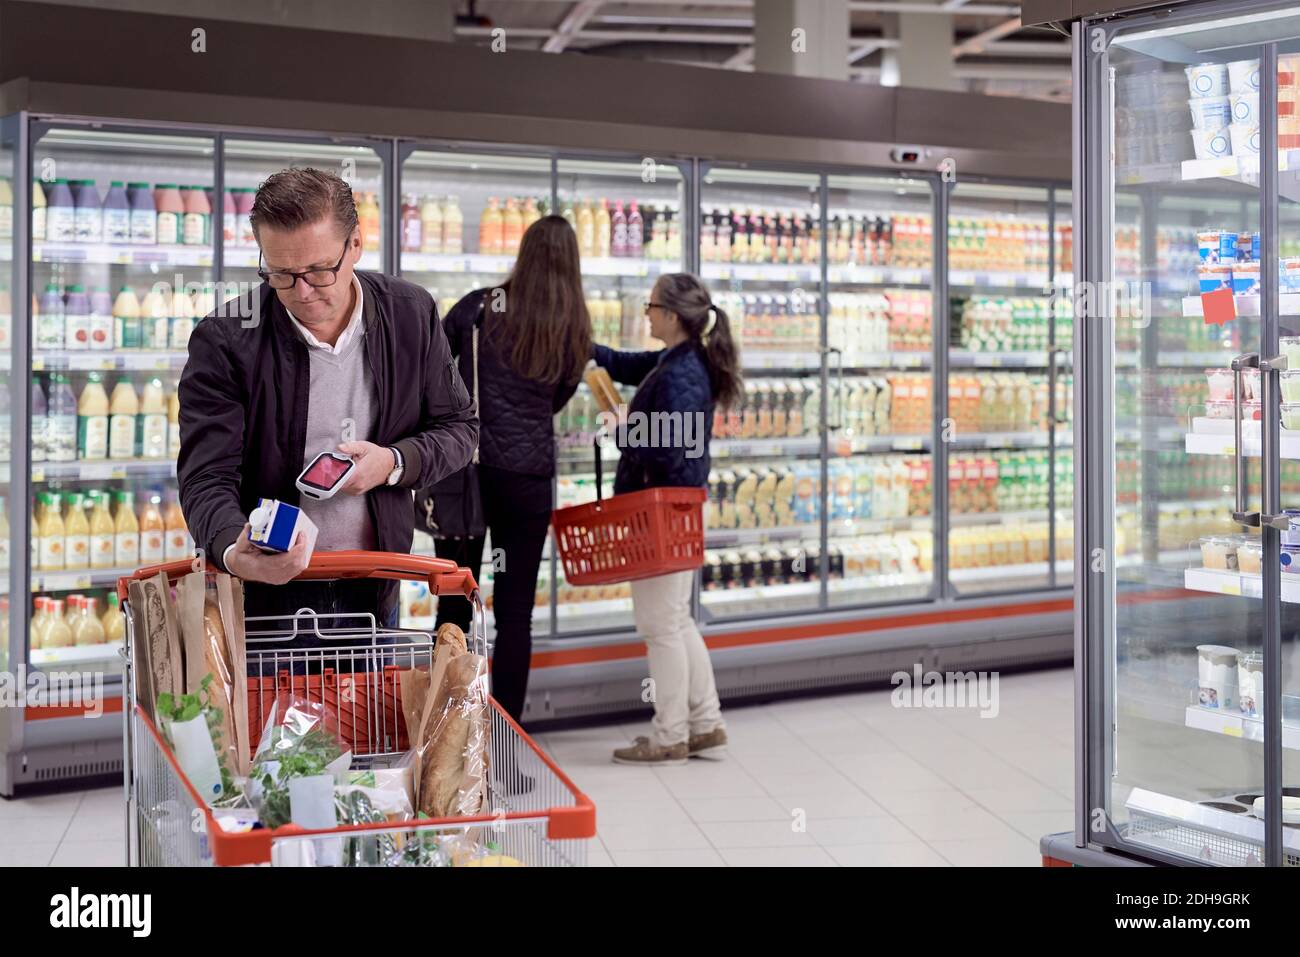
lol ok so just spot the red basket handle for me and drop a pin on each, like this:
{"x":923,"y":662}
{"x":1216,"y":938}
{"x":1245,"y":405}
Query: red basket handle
{"x":441,"y":574}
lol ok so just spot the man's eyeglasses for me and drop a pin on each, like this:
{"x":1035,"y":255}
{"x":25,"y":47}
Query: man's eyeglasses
{"x":284,"y":279}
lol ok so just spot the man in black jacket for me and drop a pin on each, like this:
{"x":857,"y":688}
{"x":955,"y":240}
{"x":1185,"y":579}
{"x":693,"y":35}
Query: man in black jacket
{"x":317,"y":358}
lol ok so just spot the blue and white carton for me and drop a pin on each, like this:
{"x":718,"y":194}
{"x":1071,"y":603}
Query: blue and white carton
{"x":274,"y":525}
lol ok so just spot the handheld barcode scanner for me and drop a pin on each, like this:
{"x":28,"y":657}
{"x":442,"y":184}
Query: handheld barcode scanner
{"x":325,"y":475}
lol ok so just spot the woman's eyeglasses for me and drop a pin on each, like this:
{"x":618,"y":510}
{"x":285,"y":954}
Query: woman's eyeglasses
{"x":653,"y":305}
{"x":285,"y":279}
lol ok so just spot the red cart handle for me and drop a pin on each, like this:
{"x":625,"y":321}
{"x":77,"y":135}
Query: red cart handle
{"x":442,"y":574}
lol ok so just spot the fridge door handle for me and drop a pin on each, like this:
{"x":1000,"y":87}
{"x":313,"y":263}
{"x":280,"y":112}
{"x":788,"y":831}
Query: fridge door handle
{"x":1270,"y":380}
{"x":839,"y":389}
{"x":1247,"y":360}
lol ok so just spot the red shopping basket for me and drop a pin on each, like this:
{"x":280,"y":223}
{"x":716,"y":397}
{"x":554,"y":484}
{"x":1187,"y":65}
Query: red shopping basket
{"x":631,"y":536}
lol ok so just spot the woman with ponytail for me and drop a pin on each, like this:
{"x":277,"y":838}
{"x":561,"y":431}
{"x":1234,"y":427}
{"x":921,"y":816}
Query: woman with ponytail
{"x":663,"y":438}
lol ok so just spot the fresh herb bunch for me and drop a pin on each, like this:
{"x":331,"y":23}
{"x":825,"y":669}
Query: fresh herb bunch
{"x":290,"y":755}
{"x":187,"y":707}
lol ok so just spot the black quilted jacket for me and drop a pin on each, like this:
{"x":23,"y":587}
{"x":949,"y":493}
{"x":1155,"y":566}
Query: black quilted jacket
{"x":673,"y":381}
{"x":515,"y":414}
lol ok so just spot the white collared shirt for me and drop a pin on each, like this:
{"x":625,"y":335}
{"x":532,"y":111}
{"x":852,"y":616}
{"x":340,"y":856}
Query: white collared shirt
{"x":345,"y":337}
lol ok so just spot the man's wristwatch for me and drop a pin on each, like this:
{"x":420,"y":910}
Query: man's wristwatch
{"x":395,"y":475}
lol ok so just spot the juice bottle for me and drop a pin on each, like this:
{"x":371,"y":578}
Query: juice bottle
{"x":40,"y":423}
{"x":76,"y":318}
{"x":174,"y":423}
{"x":155,"y":323}
{"x":586,"y":230}
{"x":144,"y":214}
{"x":89,"y":629}
{"x":167,"y":200}
{"x":177,"y":534}
{"x":103,"y":544}
{"x":117,"y":214}
{"x":38,"y":212}
{"x":618,"y":231}
{"x":127,"y":332}
{"x":51,"y":532}
{"x":101,"y":320}
{"x":453,"y":227}
{"x":635,"y":237}
{"x":244,"y":235}
{"x":229,"y":218}
{"x":40,"y":619}
{"x":489,"y":229}
{"x":431,"y":226}
{"x":151,"y":437}
{"x":114,"y":621}
{"x":532,"y":214}
{"x":4,"y":536}
{"x":153,"y":532}
{"x":512,"y":228}
{"x":181,"y":321}
{"x":72,"y":608}
{"x":88,"y":218}
{"x":123,"y":408}
{"x":56,"y":633}
{"x":368,"y":214}
{"x":49,"y":320}
{"x":412,"y":225}
{"x":61,"y":213}
{"x":92,"y":420}
{"x":76,"y":533}
{"x":61,"y":421}
{"x":126,"y":532}
{"x":602,"y":229}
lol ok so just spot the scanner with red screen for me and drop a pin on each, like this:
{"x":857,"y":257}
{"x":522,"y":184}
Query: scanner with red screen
{"x":326,"y":470}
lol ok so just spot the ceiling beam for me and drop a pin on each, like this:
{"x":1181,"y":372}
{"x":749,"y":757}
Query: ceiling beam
{"x":979,"y":41}
{"x":572,"y":23}
{"x":965,"y":9}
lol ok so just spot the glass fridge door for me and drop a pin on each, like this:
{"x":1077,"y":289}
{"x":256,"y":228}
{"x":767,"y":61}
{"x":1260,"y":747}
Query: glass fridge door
{"x":1181,"y":594}
{"x":462,"y":217}
{"x":998,"y":430}
{"x":121,"y":268}
{"x":761,"y":256}
{"x":628,"y":217}
{"x":880,"y":304}
{"x":13,"y":384}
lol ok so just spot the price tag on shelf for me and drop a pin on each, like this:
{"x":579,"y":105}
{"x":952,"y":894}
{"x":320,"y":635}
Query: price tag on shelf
{"x":994,"y":361}
{"x":117,"y":472}
{"x":1231,"y":587}
{"x":1232,"y":731}
{"x":1229,"y":449}
{"x":907,"y":445}
{"x":144,"y":257}
{"x":38,"y":365}
{"x":96,"y":471}
{"x":38,"y":473}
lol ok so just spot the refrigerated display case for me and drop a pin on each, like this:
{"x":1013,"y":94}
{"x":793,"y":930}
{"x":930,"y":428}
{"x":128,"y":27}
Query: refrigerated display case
{"x":815,"y":244}
{"x":1185,"y":214}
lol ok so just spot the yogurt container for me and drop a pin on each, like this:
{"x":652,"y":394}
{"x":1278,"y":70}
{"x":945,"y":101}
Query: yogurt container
{"x":1221,"y":381}
{"x":1290,"y":558}
{"x":1219,"y":552}
{"x":1215,"y":276}
{"x":1291,"y":535}
{"x":1288,"y":275}
{"x":1211,"y":112}
{"x":1250,"y":558}
{"x":1290,"y":385}
{"x":1220,"y":409}
{"x":1212,"y":144}
{"x":1250,"y":683}
{"x":1217,"y":676}
{"x":1250,"y":385}
{"x":1245,"y":139}
{"x":1291,"y":420}
{"x":1216,"y":245}
{"x":1243,"y":76}
{"x":1252,"y":410}
{"x":1244,"y":107}
{"x":1245,"y":279}
{"x":1207,"y":79}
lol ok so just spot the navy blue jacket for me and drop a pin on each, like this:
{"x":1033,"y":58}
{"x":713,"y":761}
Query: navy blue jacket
{"x":673,"y":450}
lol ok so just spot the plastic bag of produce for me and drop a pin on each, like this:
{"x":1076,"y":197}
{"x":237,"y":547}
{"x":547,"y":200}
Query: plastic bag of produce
{"x":300,"y":740}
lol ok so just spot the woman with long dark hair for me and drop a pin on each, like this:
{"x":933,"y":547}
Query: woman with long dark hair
{"x":663,"y":440}
{"x":534,"y":338}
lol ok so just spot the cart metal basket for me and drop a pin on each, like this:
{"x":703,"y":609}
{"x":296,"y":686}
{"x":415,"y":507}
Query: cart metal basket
{"x":534,"y":813}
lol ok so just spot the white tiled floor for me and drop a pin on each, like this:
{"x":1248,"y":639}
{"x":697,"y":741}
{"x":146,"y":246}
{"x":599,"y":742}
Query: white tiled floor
{"x":847,"y":780}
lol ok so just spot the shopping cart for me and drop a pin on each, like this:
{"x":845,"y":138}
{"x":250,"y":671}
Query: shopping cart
{"x":533,"y":814}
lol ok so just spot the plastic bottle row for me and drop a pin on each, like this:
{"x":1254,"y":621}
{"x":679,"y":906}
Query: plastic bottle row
{"x":1006,"y":481}
{"x":644,"y":231}
{"x":127,"y":425}
{"x":1006,"y":401}
{"x":73,"y":211}
{"x":900,"y":553}
{"x":78,"y":621}
{"x":76,"y":530}
{"x":76,"y":321}
{"x":435,"y":224}
{"x":1012,"y":324}
{"x":995,"y":243}
{"x":1012,"y":543}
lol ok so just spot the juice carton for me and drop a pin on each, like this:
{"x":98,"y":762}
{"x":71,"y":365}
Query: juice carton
{"x":274,"y":526}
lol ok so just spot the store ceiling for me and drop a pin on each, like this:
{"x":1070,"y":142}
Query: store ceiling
{"x":993,"y":54}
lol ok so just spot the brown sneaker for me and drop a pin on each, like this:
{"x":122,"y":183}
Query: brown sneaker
{"x":648,"y":754}
{"x":711,"y":745}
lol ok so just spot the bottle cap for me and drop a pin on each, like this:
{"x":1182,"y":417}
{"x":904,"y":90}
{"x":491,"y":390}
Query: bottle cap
{"x":259,"y":518}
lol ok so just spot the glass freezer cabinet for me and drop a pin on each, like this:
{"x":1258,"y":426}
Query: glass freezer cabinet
{"x":1188,"y":350}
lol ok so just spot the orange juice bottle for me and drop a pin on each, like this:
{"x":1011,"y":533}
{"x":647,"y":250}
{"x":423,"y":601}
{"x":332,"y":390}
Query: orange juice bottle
{"x":40,"y":620}
{"x":76,"y":533}
{"x":51,"y":532}
{"x":532,"y":214}
{"x":114,"y":621}
{"x":368,"y":217}
{"x":431,"y":225}
{"x":586,"y":230}
{"x":56,"y":633}
{"x":512,"y":228}
{"x":103,"y":541}
{"x":89,"y":630}
{"x":92,"y":420}
{"x":126,"y":532}
{"x":489,"y":229}
{"x":174,"y":422}
{"x":153,"y":533}
{"x":73,"y":609}
{"x":123,"y":408}
{"x":4,"y":537}
{"x":178,"y":535}
{"x":453,"y":227}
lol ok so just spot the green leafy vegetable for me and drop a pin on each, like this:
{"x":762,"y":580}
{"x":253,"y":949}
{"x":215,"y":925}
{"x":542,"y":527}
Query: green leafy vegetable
{"x":289,"y":754}
{"x":187,"y":707}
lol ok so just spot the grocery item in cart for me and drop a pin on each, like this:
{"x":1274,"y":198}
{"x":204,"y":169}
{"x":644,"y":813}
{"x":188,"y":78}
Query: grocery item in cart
{"x":300,"y":740}
{"x":212,"y":632}
{"x":452,"y":739}
{"x":158,"y":645}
